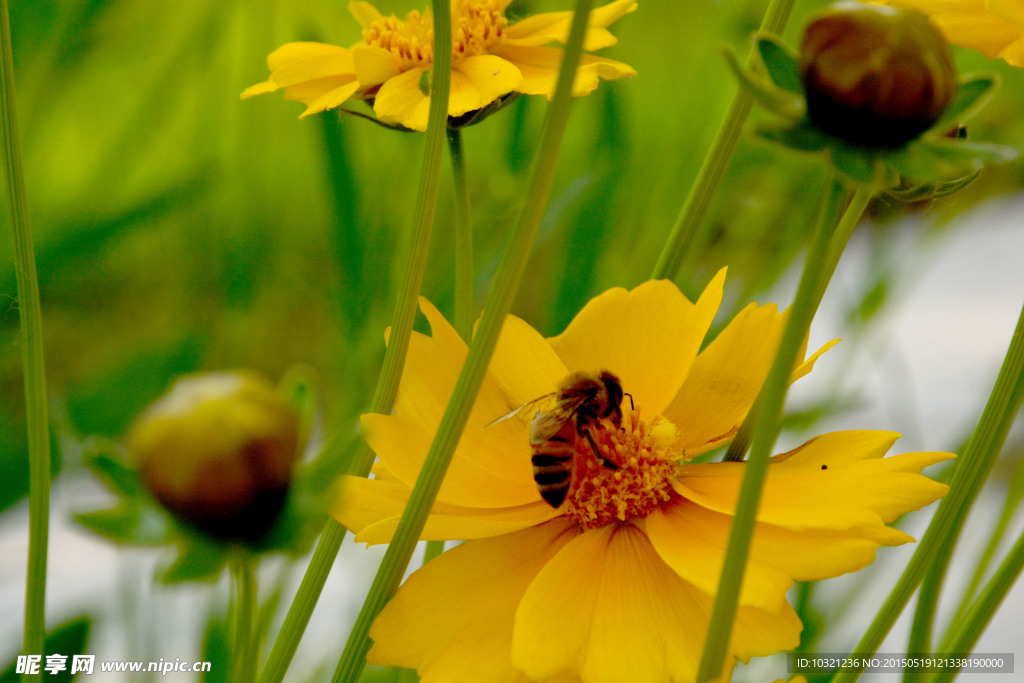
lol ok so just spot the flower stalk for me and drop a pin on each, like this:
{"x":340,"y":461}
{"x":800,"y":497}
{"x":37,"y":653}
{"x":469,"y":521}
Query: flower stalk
{"x":697,"y":203}
{"x":966,"y":632}
{"x":383,"y":401}
{"x":34,"y":369}
{"x":830,"y":212}
{"x":243,"y":610}
{"x":463,"y":238}
{"x":972,"y":468}
{"x":499,"y":301}
{"x":767,"y":425}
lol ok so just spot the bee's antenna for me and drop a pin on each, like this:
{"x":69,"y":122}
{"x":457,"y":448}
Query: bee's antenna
{"x":631,"y":406}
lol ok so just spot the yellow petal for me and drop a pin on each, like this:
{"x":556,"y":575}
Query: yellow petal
{"x":524,"y":364}
{"x":608,"y":609}
{"x":452,"y":619}
{"x":331,"y":99}
{"x":371,"y":508}
{"x":491,"y":466}
{"x":365,"y":13}
{"x":400,"y":100}
{"x":539,"y":67}
{"x":258,"y":89}
{"x":373,"y":65}
{"x":726,"y":377}
{"x":319,"y":75}
{"x":856,"y":488}
{"x":994,"y":27}
{"x":648,"y":337}
{"x":553,"y":27}
{"x":300,"y":62}
{"x":479,"y":80}
{"x":692,"y":540}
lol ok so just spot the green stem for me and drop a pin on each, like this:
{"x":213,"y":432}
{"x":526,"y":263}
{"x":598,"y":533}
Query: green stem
{"x":765,"y":432}
{"x":313,"y":581}
{"x":499,"y":301}
{"x":967,"y":631}
{"x":834,"y":201}
{"x":931,"y":587}
{"x":463,"y":238}
{"x":709,"y":176}
{"x":243,"y":652}
{"x":34,"y":370}
{"x":1013,"y":499}
{"x":432,"y":550}
{"x":972,"y":467}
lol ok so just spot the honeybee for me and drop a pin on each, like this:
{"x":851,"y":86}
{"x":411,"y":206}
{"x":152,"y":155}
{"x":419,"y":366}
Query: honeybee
{"x":581,"y":400}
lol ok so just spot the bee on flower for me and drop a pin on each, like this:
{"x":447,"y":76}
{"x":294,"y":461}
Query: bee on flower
{"x":493,"y":60}
{"x":616,"y":582}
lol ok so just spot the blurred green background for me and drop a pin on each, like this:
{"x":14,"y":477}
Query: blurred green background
{"x":179,"y":229}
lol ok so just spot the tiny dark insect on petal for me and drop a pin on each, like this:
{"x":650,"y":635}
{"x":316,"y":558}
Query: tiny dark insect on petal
{"x":824,"y":467}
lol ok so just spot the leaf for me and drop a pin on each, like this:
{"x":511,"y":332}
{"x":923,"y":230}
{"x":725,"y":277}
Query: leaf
{"x":858,"y":165}
{"x":946,"y":160}
{"x":779,"y":62}
{"x":197,"y":561}
{"x":802,"y":138}
{"x":68,"y":639}
{"x":129,"y":523}
{"x":108,"y":462}
{"x":773,"y":98}
{"x":972,"y":93}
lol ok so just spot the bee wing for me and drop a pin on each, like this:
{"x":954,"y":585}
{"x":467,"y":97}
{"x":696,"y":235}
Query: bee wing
{"x":547,"y":423}
{"x":521,"y":409}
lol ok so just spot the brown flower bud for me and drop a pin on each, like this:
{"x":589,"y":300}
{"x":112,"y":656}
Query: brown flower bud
{"x":875,"y":76}
{"x":217,"y":451}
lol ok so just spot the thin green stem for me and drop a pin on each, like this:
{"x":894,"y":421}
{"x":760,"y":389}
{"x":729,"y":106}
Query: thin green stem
{"x":766,"y":431}
{"x":383,"y":401}
{"x":931,"y":590}
{"x":463,"y":238}
{"x":966,"y":632}
{"x":432,"y":550}
{"x":1013,"y":499}
{"x":34,"y":370}
{"x":691,"y":216}
{"x":972,"y":467}
{"x":243,"y":651}
{"x":830,"y":212}
{"x":499,"y":301}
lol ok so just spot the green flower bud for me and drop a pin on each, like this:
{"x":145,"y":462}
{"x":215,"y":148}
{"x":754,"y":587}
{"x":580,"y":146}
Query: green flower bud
{"x":217,"y":450}
{"x":875,"y":76}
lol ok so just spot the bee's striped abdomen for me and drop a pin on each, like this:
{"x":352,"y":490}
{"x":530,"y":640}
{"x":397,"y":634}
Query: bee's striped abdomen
{"x":552,"y":468}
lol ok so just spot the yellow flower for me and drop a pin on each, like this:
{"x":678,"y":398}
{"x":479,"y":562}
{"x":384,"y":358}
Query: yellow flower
{"x":490,"y":60}
{"x":993,"y":27}
{"x":617,"y":583}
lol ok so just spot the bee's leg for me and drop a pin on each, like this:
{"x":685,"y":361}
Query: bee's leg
{"x":597,"y":453}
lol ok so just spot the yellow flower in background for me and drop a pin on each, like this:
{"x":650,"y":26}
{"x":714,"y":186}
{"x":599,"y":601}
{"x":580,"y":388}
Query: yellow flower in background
{"x":491,"y":58}
{"x":993,"y":27}
{"x":618,"y":581}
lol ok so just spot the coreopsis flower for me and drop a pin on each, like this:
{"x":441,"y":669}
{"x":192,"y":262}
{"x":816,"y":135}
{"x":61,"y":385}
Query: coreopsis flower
{"x":492,"y":59}
{"x":217,"y":450}
{"x":616,"y":583}
{"x":993,"y":27}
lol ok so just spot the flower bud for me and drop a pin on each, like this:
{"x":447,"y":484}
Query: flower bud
{"x":875,"y":76}
{"x":217,"y":451}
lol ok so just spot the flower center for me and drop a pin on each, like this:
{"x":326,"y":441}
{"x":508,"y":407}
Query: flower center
{"x":645,"y":461}
{"x":477,"y":25}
